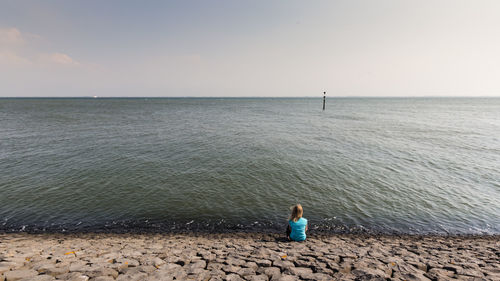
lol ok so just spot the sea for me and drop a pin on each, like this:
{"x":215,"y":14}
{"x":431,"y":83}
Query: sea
{"x":362,"y":165}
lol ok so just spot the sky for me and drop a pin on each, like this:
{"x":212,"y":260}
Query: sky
{"x":249,"y":48}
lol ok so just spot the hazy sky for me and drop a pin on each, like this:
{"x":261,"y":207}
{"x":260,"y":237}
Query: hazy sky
{"x":249,"y":48}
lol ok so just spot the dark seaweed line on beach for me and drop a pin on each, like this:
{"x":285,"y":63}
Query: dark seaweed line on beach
{"x":146,"y":226}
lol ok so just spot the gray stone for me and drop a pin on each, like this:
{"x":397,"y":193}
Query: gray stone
{"x":470,"y":271}
{"x":199,"y":264}
{"x":274,"y":273}
{"x":263,"y":262}
{"x":283,"y":265}
{"x":138,"y":276}
{"x":300,"y":271}
{"x":246,"y":272}
{"x":195,"y":271}
{"x":288,"y":278}
{"x":77,"y":266}
{"x":235,"y":261}
{"x":73,"y":276}
{"x":231,"y":268}
{"x":20,"y":274}
{"x":214,"y":265}
{"x":439,"y":274}
{"x":260,"y":277}
{"x":251,"y":265}
{"x":160,"y":276}
{"x":217,"y":272}
{"x":322,"y":277}
{"x":369,"y":274}
{"x":5,"y":267}
{"x":104,"y":278}
{"x":179,"y":274}
{"x":53,"y":269}
{"x":201,"y":275}
{"x":234,"y":277}
{"x":128,"y":262}
{"x":146,"y":268}
{"x":345,"y":268}
{"x":419,"y":265}
{"x":40,"y":278}
{"x":410,"y":276}
{"x":169,"y":267}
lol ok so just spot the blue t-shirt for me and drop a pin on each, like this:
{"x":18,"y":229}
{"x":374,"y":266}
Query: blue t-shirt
{"x":298,"y":229}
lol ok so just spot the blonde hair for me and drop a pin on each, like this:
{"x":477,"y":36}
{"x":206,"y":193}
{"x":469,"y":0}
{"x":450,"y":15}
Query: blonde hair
{"x":297,"y":212}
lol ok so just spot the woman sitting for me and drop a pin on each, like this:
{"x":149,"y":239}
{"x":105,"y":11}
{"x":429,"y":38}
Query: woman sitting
{"x":297,"y":225}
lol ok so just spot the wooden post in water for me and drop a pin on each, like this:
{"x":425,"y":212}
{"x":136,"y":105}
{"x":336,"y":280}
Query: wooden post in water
{"x":324,"y":99}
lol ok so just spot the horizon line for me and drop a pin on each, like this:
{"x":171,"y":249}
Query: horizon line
{"x":232,"y":97}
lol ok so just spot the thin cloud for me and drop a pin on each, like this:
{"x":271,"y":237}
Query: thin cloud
{"x":10,"y":37}
{"x":12,"y":59}
{"x":17,"y":50}
{"x":58,"y":58}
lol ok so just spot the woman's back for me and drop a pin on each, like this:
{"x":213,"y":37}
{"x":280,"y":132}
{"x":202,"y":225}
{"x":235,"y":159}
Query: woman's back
{"x":298,"y":228}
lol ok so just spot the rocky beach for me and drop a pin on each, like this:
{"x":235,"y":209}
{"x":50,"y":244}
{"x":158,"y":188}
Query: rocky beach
{"x":246,"y":256}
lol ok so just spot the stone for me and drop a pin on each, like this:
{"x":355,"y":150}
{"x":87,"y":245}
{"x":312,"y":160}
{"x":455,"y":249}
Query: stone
{"x":230,"y":268}
{"x":138,"y":276}
{"x":263,"y":262}
{"x":251,"y":265}
{"x":283,"y":265}
{"x":198,"y":264}
{"x":146,"y":268}
{"x":179,"y":274}
{"x":109,"y":272}
{"x":345,"y":268}
{"x":305,"y":263}
{"x":234,"y":277}
{"x":214,"y":265}
{"x":288,"y":278}
{"x":246,"y":272}
{"x":439,"y":274}
{"x":104,"y":278}
{"x":4,"y":267}
{"x":200,"y":276}
{"x":73,"y":276}
{"x":300,"y":271}
{"x":260,"y":277}
{"x":273,"y":273}
{"x":217,"y":272}
{"x":410,"y":276}
{"x":419,"y":265}
{"x":79,"y":266}
{"x":235,"y":261}
{"x":128,"y":262}
{"x":40,"y":278}
{"x":369,"y":274}
{"x":195,"y":271}
{"x":20,"y":274}
{"x":53,"y":269}
{"x":161,"y":275}
{"x":321,"y":277}
{"x":157,"y":262}
{"x":473,"y":271}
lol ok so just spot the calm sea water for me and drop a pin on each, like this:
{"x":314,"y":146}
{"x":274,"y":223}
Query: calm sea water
{"x":426,"y":165}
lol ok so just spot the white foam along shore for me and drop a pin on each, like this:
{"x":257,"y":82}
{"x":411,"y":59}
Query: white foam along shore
{"x":246,"y":256}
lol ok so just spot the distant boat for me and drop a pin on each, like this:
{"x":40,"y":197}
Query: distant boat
{"x":95,"y":97}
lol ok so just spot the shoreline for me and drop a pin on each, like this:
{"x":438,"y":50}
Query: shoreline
{"x":247,"y":256}
{"x":216,"y":227}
